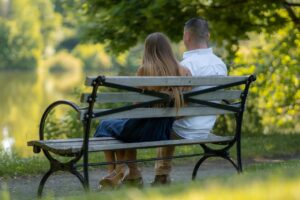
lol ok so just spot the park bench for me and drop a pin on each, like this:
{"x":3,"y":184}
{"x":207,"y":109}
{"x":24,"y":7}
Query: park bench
{"x":219,"y":95}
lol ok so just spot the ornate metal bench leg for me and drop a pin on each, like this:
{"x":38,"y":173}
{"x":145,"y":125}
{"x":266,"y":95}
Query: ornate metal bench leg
{"x":42,"y":183}
{"x":86,"y":172}
{"x":56,"y":165}
{"x":81,"y":179}
{"x":238,"y":157}
{"x":240,"y":167}
{"x":202,"y":159}
{"x":233,"y":163}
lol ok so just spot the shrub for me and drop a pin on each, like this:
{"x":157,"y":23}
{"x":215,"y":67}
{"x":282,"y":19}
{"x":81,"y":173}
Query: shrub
{"x":63,"y":62}
{"x":93,"y":56}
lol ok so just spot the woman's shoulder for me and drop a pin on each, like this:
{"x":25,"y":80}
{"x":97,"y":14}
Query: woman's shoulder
{"x":183,"y":71}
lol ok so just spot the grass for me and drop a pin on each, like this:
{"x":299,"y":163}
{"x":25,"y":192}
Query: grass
{"x":258,"y":146}
{"x":14,"y":165}
{"x":260,"y":181}
{"x":276,"y":145}
{"x":279,"y":180}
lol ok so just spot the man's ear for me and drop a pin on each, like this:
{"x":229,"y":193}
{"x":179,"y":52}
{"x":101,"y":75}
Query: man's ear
{"x":187,"y":36}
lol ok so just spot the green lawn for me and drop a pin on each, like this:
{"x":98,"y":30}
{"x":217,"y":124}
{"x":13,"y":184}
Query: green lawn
{"x":278,"y":180}
{"x":259,"y":146}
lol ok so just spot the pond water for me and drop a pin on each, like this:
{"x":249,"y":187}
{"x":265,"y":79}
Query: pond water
{"x":23,"y":98}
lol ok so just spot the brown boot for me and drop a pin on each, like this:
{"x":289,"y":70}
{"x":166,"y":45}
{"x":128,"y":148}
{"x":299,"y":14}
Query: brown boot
{"x":161,"y":180}
{"x":112,"y":180}
{"x":133,"y":182}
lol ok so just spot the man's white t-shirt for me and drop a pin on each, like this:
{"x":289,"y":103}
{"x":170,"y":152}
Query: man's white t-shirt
{"x":200,"y":62}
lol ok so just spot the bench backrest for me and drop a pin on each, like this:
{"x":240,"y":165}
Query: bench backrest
{"x":216,"y":98}
{"x":208,"y":100}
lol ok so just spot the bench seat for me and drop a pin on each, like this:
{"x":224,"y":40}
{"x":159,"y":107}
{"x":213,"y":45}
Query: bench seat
{"x":73,"y":146}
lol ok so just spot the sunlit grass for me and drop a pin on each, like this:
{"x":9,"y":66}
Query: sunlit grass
{"x":4,"y":194}
{"x":280,"y":180}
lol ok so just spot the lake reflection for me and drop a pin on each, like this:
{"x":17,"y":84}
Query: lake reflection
{"x":7,"y":141}
{"x":24,"y":97}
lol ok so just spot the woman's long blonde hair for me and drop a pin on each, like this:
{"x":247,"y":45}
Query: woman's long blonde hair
{"x":159,"y":60}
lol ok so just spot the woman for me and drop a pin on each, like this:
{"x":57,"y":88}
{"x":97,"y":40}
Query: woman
{"x":158,"y":60}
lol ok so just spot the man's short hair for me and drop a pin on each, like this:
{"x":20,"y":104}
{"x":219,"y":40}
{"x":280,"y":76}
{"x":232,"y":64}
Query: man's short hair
{"x":198,"y":28}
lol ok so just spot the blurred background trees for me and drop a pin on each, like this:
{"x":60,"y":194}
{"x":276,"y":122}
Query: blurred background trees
{"x":21,"y":41}
{"x":106,"y":37}
{"x":252,"y":36}
{"x":122,"y":24}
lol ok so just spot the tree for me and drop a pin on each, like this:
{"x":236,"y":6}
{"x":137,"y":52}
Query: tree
{"x":19,"y":50}
{"x":259,"y":36}
{"x":50,"y":23}
{"x":121,"y":24}
{"x":26,"y":30}
{"x":275,"y":96}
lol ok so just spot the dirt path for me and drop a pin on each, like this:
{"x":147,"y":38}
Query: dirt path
{"x":63,"y":184}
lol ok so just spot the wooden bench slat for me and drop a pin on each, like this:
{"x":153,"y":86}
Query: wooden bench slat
{"x":68,"y":147}
{"x":160,"y":112}
{"x":98,"y":145}
{"x":141,"y":145}
{"x":73,"y":142}
{"x":169,"y":80}
{"x":116,"y":97}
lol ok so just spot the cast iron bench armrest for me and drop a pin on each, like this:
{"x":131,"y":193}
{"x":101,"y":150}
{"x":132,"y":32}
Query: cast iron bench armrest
{"x":37,"y":149}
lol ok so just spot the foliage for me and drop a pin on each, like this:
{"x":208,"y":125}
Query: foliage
{"x":274,"y":101}
{"x":69,"y":10}
{"x":50,"y":24}
{"x":93,"y":56}
{"x":127,"y":63}
{"x":18,"y":49}
{"x":259,"y":37}
{"x":68,"y":43}
{"x":63,"y":62}
{"x":70,"y":30}
{"x":253,"y":36}
{"x":121,"y":24}
{"x":25,"y":33}
{"x":66,"y":126}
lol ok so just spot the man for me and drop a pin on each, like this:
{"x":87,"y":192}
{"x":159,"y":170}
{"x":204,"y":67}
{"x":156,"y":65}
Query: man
{"x":201,"y":61}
